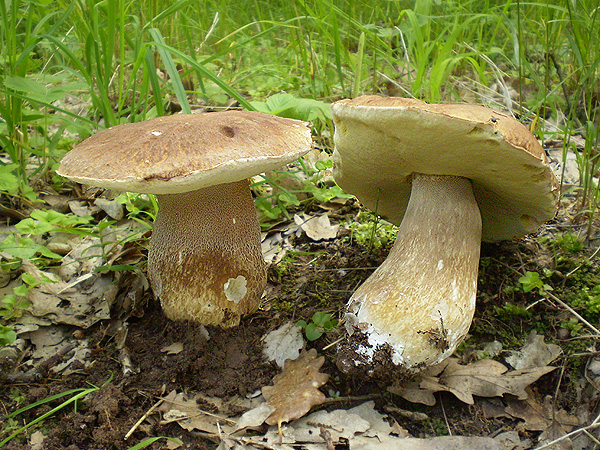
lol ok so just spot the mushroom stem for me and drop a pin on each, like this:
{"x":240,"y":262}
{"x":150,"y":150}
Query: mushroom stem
{"x":420,"y":302}
{"x":205,"y":262}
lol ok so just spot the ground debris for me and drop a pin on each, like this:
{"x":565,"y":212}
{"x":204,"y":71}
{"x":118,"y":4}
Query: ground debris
{"x":535,"y":353}
{"x":358,"y":428}
{"x":296,"y":389}
{"x":317,"y":228}
{"x":483,"y":378}
{"x":283,"y":343}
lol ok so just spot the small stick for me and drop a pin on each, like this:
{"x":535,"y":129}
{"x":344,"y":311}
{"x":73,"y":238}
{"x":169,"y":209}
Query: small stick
{"x":327,"y":347}
{"x":144,"y":417}
{"x":572,"y":311}
{"x":593,"y":425}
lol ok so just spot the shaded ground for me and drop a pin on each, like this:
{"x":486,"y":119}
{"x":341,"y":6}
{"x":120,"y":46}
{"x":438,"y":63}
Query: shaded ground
{"x":315,"y":277}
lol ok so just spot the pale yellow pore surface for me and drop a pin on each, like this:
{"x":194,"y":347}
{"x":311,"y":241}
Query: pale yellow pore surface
{"x":421,"y":300}
{"x":205,"y":262}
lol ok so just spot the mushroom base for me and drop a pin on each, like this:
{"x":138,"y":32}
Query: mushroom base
{"x":205,"y":262}
{"x":417,"y":307}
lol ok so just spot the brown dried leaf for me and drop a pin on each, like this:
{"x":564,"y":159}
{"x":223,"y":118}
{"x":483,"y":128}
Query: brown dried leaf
{"x":296,"y":389}
{"x":540,"y":417}
{"x":483,"y":378}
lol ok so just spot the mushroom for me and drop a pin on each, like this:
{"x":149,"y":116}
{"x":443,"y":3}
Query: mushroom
{"x":204,"y":261}
{"x":450,"y":175}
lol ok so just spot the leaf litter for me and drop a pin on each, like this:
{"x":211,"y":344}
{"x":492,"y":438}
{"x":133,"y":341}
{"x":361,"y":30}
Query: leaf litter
{"x":228,"y":425}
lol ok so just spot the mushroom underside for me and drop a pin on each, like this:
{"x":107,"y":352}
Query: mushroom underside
{"x":205,"y":262}
{"x":417,"y":307}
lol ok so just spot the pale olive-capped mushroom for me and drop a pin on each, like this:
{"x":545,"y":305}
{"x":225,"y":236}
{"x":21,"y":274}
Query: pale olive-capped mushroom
{"x":204,"y":261}
{"x":449,"y":175}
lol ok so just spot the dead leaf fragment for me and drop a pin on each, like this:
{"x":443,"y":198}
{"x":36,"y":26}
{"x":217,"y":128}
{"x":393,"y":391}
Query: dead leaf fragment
{"x":541,"y":416}
{"x":317,"y":228}
{"x":535,"y":353}
{"x":173,"y":349}
{"x":436,"y":443}
{"x":483,"y":378}
{"x":283,"y":343}
{"x":187,"y":413}
{"x":296,"y":389}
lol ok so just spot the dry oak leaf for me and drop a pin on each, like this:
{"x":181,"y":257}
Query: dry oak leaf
{"x":483,"y":378}
{"x":296,"y":389}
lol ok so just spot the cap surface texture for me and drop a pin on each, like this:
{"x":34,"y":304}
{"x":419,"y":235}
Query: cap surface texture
{"x":185,"y":152}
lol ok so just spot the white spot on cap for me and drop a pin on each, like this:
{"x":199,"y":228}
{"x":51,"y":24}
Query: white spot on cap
{"x":156,"y":133}
{"x":234,"y":221}
{"x":235,"y":289}
{"x":440,"y":265}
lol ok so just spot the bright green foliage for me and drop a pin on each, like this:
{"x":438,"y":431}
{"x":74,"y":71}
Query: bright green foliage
{"x":7,"y":336}
{"x":321,"y":323}
{"x":13,"y":305}
{"x":569,"y":243}
{"x":510,"y":309}
{"x":532,"y":281}
{"x":372,"y":231}
{"x":276,"y":199}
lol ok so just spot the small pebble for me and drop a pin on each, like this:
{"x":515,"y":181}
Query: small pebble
{"x":594,"y":366}
{"x":78,"y":334}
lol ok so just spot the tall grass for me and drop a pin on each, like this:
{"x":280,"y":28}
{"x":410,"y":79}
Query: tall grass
{"x":134,"y":60}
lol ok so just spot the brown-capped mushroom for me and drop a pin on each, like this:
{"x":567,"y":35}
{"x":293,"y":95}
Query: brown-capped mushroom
{"x":450,"y":175}
{"x":205,"y":261}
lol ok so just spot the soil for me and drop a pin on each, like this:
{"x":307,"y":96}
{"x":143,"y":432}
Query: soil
{"x":318,"y":276}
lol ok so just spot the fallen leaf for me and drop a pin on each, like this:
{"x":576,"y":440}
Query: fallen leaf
{"x":436,"y":443}
{"x":255,"y":417}
{"x":378,"y":427}
{"x":540,"y":416}
{"x":185,"y":411}
{"x":296,"y":389}
{"x":283,"y":343}
{"x":111,"y":207}
{"x":535,"y":353}
{"x":317,"y":228}
{"x":36,"y":441}
{"x":340,"y":423}
{"x":483,"y":378}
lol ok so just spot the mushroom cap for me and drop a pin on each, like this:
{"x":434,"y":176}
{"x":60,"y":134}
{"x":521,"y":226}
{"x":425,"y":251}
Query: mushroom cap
{"x":380,"y":142}
{"x":186,"y":152}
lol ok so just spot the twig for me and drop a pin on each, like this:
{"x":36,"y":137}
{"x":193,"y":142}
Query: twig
{"x":326,"y":436}
{"x":328,"y":346}
{"x":144,"y":417}
{"x":75,"y":282}
{"x":595,"y":424}
{"x":572,"y":311}
{"x":592,"y":256}
{"x":445,"y":417}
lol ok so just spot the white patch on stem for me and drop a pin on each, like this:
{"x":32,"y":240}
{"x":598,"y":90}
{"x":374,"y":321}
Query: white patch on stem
{"x":235,"y":289}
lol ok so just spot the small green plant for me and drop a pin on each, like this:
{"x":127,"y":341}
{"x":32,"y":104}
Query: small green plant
{"x":292,"y":188}
{"x":510,"y":309}
{"x":321,"y":323}
{"x":372,"y":231}
{"x":532,"y":281}
{"x":7,"y":335}
{"x":569,"y":243}
{"x":17,"y":396}
{"x":13,"y":305}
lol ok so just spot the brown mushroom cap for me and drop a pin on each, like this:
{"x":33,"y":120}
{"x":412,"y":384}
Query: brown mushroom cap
{"x":185,"y":152}
{"x":381,"y":141}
